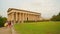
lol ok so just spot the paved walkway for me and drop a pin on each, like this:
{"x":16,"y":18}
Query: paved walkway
{"x":5,"y":30}
{"x":13,"y":30}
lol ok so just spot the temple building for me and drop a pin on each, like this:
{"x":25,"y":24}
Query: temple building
{"x":18,"y":15}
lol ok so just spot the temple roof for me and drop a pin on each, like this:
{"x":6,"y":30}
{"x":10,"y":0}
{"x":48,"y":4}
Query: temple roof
{"x":21,"y":10}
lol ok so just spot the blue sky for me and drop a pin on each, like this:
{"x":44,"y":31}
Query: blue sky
{"x":47,"y":8}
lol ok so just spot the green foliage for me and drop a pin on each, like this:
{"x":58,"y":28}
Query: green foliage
{"x":56,"y":17}
{"x":2,"y":21}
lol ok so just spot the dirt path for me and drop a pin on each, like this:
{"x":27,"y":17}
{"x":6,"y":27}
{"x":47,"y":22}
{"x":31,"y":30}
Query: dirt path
{"x":5,"y":30}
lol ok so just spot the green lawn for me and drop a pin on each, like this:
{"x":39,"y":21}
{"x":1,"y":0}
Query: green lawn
{"x":38,"y":28}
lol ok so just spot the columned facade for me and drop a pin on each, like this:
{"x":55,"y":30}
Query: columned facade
{"x":17,"y":15}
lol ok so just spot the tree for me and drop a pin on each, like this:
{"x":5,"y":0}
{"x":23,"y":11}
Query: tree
{"x":59,"y":14}
{"x":53,"y":18}
{"x":56,"y":17}
{"x":2,"y":21}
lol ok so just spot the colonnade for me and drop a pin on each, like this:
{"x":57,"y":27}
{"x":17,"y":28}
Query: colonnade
{"x":18,"y":17}
{"x":21,"y":17}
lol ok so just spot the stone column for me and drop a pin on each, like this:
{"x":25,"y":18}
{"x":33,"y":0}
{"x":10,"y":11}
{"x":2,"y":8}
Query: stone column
{"x":19,"y":17}
{"x":25,"y":17}
{"x":22,"y":17}
{"x":16,"y":16}
{"x":12,"y":17}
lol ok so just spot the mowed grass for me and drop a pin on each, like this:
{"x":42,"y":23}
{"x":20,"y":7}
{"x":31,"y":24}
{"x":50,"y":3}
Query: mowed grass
{"x":38,"y":28}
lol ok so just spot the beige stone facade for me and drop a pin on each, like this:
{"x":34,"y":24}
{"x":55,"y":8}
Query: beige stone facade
{"x":19,"y":15}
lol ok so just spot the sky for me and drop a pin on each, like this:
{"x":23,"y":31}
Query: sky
{"x":47,"y":8}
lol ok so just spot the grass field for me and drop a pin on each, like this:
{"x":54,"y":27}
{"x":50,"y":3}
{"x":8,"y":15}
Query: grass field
{"x":38,"y":28}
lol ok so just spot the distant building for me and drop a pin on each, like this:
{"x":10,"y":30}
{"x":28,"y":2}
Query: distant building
{"x":18,"y":15}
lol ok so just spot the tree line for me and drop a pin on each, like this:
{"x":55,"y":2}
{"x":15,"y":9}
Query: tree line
{"x":2,"y":21}
{"x":56,"y":17}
